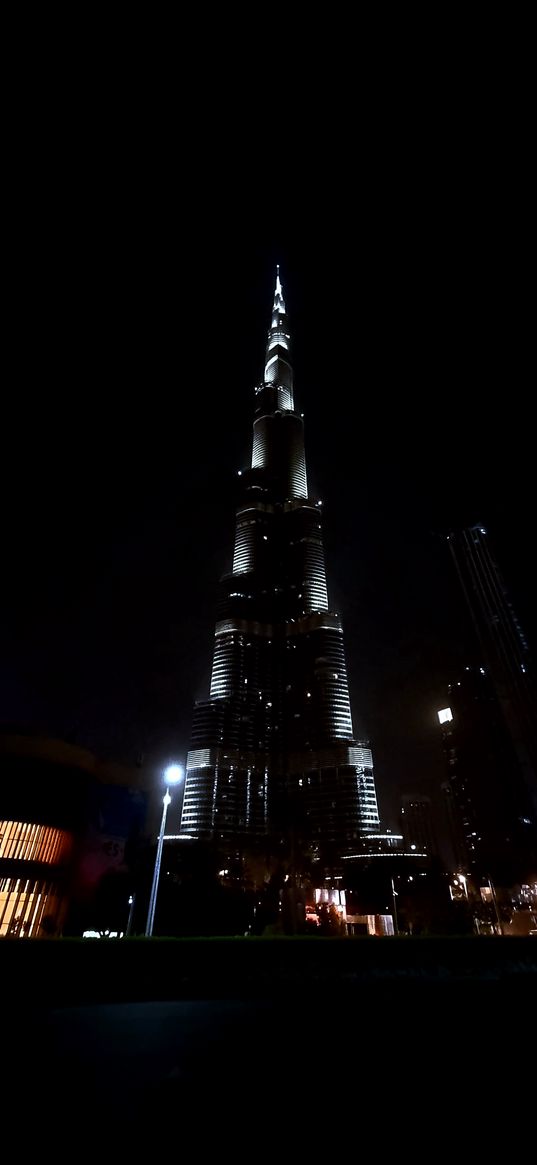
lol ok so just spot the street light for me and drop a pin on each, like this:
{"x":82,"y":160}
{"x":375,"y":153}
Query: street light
{"x":172,"y":775}
{"x":495,"y":901}
{"x":132,"y":900}
{"x":394,"y":895}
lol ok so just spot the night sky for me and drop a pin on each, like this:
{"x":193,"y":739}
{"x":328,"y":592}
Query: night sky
{"x":140,"y":298}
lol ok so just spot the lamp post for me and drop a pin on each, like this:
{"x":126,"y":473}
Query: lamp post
{"x":172,"y":775}
{"x":495,"y":901}
{"x":132,"y":900}
{"x":395,"y":919}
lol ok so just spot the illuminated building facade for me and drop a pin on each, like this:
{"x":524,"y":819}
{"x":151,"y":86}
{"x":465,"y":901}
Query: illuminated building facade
{"x":272,"y":749}
{"x":65,"y":822}
{"x":32,"y":858}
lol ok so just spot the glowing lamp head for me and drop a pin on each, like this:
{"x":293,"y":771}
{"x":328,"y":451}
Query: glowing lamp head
{"x":173,"y":774}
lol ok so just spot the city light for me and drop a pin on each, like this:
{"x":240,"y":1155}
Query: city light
{"x":173,"y":774}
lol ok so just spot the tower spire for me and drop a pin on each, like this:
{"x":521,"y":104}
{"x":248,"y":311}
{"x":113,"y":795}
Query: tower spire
{"x":279,"y":305}
{"x":278,"y":369}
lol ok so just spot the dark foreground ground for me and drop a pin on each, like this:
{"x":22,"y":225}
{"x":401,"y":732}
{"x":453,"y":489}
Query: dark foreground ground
{"x":324,"y":1044}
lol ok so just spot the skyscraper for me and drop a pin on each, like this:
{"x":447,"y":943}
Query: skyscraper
{"x":492,"y":828}
{"x":503,"y":646}
{"x":417,"y":823}
{"x":272,"y":749}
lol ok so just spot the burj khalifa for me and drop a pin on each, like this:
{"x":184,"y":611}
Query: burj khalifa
{"x":273,"y":745}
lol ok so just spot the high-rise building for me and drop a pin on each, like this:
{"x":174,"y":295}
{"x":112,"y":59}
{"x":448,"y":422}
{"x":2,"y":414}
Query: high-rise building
{"x":492,"y":826}
{"x":455,"y":824}
{"x":417,"y":823}
{"x":503,"y":647}
{"x":272,"y":749}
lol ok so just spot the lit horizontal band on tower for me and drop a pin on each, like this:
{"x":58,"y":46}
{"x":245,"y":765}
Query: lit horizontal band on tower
{"x":243,"y":627}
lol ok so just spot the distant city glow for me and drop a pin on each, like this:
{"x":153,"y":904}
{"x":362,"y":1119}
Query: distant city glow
{"x":444,"y":714}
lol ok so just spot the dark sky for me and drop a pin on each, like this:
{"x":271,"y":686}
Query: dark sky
{"x":140,"y":294}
